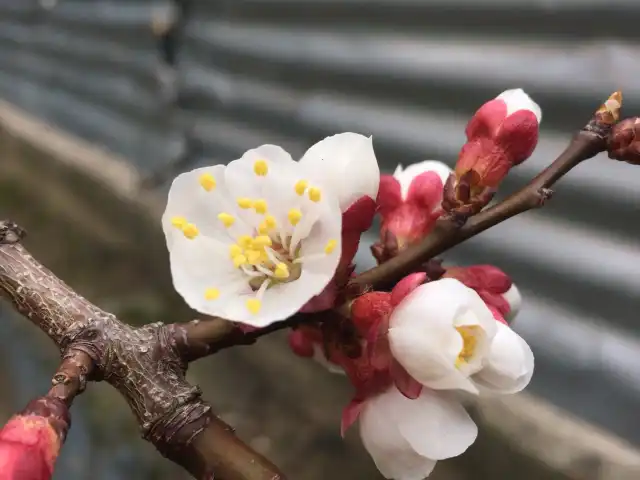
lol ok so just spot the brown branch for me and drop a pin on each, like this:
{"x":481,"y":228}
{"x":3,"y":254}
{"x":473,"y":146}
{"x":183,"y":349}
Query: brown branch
{"x":143,"y":364}
{"x":209,"y":336}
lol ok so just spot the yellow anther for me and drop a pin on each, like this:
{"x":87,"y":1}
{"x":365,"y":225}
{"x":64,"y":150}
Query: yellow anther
{"x":235,"y":250}
{"x":469,"y":334}
{"x":253,"y":256}
{"x":315,"y":194}
{"x":270,"y":222}
{"x":301,"y":186}
{"x":253,"y":305}
{"x":281,"y":271}
{"x":239,"y":260}
{"x":267,"y":225}
{"x":260,"y":206}
{"x":294,"y":216}
{"x":245,"y":241}
{"x":261,"y":242}
{"x":245,"y":203}
{"x":207,"y":181}
{"x":190,"y":231}
{"x":226,"y":219}
{"x":261,"y":168}
{"x":211,"y":293}
{"x":179,"y":222}
{"x":330,"y":246}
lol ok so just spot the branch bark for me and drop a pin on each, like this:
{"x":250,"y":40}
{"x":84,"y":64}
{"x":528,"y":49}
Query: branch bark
{"x":143,"y":364}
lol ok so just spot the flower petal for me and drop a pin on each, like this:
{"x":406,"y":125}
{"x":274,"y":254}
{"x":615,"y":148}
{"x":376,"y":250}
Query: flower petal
{"x":423,"y":337}
{"x":516,"y":99}
{"x":391,"y":452}
{"x":405,"y":177}
{"x":389,"y":193}
{"x":435,"y":425}
{"x":347,"y":164}
{"x":510,"y":364}
{"x":514,"y":299}
{"x":190,"y":201}
{"x":276,"y":188}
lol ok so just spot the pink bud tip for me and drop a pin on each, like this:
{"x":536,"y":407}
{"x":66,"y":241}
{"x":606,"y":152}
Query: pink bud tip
{"x":30,"y":441}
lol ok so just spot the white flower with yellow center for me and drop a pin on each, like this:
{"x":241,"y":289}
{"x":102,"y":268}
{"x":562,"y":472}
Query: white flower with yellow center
{"x":252,"y":241}
{"x":446,"y":337}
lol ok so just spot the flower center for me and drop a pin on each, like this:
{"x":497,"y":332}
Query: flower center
{"x":470,"y":335}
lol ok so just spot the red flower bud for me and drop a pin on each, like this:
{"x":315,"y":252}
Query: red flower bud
{"x":624,"y":141}
{"x":30,"y":441}
{"x":409,"y":203}
{"x":502,"y":133}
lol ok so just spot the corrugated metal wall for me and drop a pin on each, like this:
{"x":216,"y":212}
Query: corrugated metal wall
{"x":408,"y":72}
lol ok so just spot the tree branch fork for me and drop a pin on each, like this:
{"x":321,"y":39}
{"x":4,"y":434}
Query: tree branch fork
{"x":147,"y":365}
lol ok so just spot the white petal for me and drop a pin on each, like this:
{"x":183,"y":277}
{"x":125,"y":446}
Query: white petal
{"x":405,"y":176}
{"x":509,"y":365}
{"x":430,"y":357}
{"x":276,"y":188}
{"x":514,"y":299}
{"x":391,"y":452}
{"x":347,"y":164}
{"x":516,"y":99}
{"x":423,"y":337}
{"x":189,"y":200}
{"x":436,"y":425}
{"x":202,"y":264}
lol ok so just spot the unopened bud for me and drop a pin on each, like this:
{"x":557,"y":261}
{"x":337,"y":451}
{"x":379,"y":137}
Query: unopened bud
{"x":502,"y":133}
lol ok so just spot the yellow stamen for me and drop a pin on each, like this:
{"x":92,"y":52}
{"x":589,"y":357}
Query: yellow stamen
{"x":253,"y":256}
{"x":179,"y":222}
{"x":226,"y":219}
{"x":211,"y":293}
{"x":281,"y":271}
{"x":330,"y":246}
{"x":270,"y":222}
{"x":261,"y":168}
{"x":260,"y":206}
{"x":253,"y":305}
{"x":261,"y":242}
{"x":190,"y":231}
{"x":301,"y":186}
{"x":294,"y":216}
{"x":239,"y":260}
{"x":315,"y":194}
{"x":207,"y":181}
{"x":469,"y":334}
{"x":235,"y":250}
{"x":244,"y":203}
{"x":245,"y":241}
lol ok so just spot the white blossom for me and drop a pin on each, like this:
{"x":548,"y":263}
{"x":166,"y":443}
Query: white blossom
{"x":254,"y":240}
{"x":446,"y":337}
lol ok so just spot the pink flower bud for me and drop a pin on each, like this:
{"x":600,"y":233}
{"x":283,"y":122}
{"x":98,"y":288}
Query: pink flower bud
{"x":30,"y":441}
{"x":624,"y":141}
{"x":502,"y":133}
{"x":409,"y":203}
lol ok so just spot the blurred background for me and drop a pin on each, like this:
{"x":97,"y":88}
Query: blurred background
{"x":165,"y":86}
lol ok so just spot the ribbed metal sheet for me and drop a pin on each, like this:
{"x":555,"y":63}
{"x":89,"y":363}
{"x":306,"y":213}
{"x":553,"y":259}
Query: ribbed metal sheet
{"x":408,"y":72}
{"x":411,"y":73}
{"x":92,"y":68}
